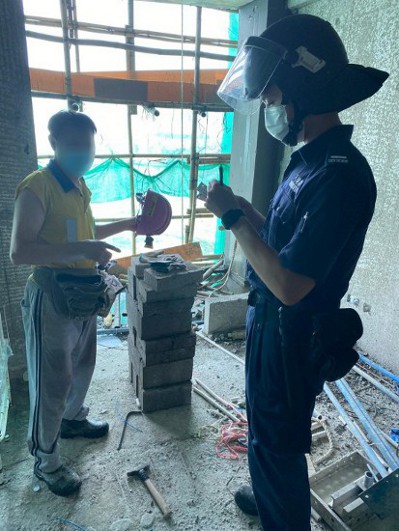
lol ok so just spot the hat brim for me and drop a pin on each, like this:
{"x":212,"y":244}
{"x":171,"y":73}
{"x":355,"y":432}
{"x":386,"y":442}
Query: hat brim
{"x":354,"y":83}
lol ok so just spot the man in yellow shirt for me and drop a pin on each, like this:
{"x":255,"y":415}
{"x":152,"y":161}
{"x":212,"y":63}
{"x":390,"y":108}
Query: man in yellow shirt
{"x":54,"y":230}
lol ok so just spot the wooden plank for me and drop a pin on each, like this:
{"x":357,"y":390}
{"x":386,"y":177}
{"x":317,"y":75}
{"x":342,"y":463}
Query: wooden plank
{"x":139,"y":87}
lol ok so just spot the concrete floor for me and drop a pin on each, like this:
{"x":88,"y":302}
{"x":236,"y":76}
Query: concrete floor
{"x":178,"y":443}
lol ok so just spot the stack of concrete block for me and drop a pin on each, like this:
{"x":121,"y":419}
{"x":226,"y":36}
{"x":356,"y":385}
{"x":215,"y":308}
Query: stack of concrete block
{"x":161,"y":341}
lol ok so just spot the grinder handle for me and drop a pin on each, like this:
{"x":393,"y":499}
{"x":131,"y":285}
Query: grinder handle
{"x":165,"y":510}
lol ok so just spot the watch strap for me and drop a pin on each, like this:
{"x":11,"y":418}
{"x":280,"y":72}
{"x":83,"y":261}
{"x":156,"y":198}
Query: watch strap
{"x":231,"y":216}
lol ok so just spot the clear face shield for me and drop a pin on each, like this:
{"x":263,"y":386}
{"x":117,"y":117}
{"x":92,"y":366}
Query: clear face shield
{"x":253,"y":69}
{"x":250,"y":73}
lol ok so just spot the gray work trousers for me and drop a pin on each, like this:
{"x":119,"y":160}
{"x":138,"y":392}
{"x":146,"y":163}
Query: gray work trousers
{"x":61,"y":356}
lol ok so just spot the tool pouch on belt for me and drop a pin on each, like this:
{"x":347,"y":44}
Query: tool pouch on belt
{"x":316,"y":348}
{"x":334,"y":336}
{"x":76,"y":294}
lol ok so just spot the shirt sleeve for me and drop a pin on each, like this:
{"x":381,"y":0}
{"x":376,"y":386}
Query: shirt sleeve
{"x":330,"y":212}
{"x":37,"y":183}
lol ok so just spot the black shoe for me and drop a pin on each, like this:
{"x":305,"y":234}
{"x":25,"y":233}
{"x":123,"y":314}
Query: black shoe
{"x":245,"y":499}
{"x":91,"y":429}
{"x":62,"y":482}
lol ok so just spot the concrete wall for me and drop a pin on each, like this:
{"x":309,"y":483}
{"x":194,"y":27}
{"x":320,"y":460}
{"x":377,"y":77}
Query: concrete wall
{"x":17,"y":159}
{"x":255,"y":154}
{"x":370,"y":32}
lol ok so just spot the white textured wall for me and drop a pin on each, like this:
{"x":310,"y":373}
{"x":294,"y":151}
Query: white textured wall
{"x":370,"y":31}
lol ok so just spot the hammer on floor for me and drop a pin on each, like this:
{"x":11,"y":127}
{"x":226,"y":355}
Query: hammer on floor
{"x":142,"y":473}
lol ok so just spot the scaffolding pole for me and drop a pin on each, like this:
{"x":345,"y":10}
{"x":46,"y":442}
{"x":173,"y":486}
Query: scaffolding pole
{"x":201,"y":107}
{"x":131,"y":109}
{"x":204,"y":157}
{"x":194,"y":126}
{"x":124,"y":46}
{"x":32,"y":20}
{"x":67,"y":58}
{"x":73,"y":29}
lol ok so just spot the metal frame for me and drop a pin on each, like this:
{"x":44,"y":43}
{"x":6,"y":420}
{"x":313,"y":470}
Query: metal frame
{"x":70,"y":26}
{"x":114,"y":30}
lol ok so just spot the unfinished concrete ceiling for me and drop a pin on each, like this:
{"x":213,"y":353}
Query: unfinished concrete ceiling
{"x":228,"y":5}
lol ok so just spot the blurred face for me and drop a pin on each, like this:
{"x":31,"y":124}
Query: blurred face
{"x":74,"y":151}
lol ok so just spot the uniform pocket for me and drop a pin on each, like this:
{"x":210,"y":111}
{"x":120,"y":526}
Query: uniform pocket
{"x":283,"y":221}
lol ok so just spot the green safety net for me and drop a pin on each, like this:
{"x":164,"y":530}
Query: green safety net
{"x":110,"y":180}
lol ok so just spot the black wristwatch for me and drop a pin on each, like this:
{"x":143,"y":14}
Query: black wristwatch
{"x":230,"y":217}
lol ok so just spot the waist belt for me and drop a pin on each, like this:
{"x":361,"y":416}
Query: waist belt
{"x":75,"y":293}
{"x":258,"y":299}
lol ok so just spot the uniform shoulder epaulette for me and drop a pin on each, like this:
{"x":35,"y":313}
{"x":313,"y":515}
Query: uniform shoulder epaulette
{"x":337,"y":159}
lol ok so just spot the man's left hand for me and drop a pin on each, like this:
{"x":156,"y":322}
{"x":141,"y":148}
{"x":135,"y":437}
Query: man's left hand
{"x":220,"y":199}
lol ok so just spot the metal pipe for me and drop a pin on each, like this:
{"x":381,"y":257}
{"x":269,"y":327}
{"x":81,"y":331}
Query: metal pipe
{"x":221,"y":157}
{"x":130,"y":57}
{"x":218,"y":398}
{"x":372,"y":431}
{"x":65,"y":40}
{"x":381,"y":387}
{"x":112,"y":331}
{"x":380,"y":369}
{"x":215,"y":404}
{"x":391,"y":441}
{"x":73,"y":29}
{"x":142,"y":34}
{"x":210,"y":107}
{"x":368,"y":479}
{"x":130,"y":65}
{"x":185,"y":216}
{"x":356,"y":432}
{"x":123,"y":46}
{"x":213,"y":268}
{"x":208,"y":340}
{"x":194,"y":126}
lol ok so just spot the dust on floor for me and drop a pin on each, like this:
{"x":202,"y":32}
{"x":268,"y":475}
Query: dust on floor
{"x":196,"y":483}
{"x":179,"y":444}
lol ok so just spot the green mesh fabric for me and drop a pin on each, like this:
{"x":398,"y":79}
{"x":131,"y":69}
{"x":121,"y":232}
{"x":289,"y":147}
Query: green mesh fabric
{"x":110,"y":180}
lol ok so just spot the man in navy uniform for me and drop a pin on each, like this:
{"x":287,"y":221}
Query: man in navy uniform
{"x":302,"y":256}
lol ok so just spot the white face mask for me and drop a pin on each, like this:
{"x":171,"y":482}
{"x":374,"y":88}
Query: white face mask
{"x":276,"y":121}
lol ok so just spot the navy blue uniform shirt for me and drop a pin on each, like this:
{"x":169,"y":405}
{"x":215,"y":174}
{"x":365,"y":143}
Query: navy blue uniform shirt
{"x":319,"y":216}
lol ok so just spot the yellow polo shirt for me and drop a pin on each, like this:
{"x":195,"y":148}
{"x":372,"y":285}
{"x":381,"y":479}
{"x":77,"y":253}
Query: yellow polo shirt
{"x":68,"y":216}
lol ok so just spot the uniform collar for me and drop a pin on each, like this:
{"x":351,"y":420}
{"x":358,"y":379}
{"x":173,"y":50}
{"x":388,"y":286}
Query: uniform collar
{"x":64,"y":181}
{"x":316,"y":148}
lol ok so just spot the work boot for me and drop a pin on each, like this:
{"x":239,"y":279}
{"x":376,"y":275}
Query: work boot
{"x":245,"y":499}
{"x":91,"y":429}
{"x":62,"y":481}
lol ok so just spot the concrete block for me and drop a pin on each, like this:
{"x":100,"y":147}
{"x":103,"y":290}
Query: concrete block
{"x":130,"y":308}
{"x":135,"y":273}
{"x":147,"y":294}
{"x":163,"y":374}
{"x":223,"y":314}
{"x":165,"y":397}
{"x":145,"y":350}
{"x":176,"y":280}
{"x":157,"y":308}
{"x":168,"y":307}
{"x":157,"y":326}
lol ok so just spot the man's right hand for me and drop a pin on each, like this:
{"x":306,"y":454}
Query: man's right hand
{"x":98,"y":251}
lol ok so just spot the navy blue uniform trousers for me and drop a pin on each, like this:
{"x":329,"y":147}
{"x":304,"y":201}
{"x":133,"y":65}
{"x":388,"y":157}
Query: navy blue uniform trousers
{"x":277,"y":442}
